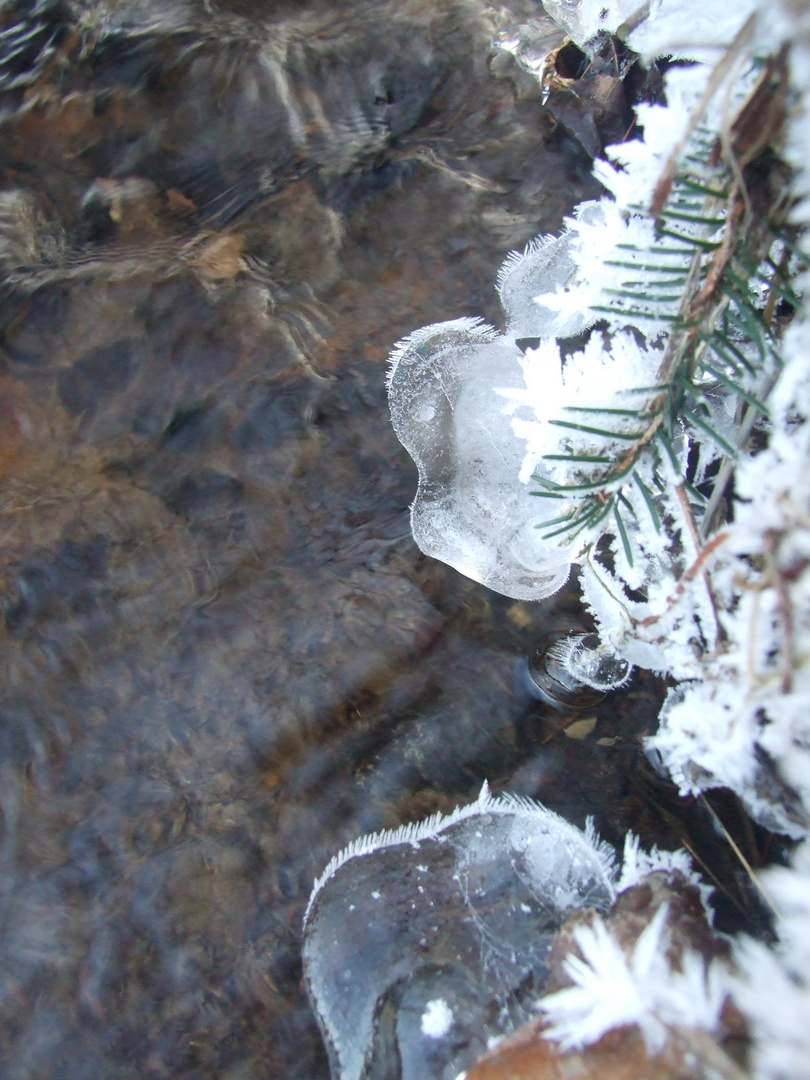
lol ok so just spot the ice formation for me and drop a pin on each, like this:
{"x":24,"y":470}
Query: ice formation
{"x":583,"y":21}
{"x":445,"y":392}
{"x":611,"y":989}
{"x":421,"y":943}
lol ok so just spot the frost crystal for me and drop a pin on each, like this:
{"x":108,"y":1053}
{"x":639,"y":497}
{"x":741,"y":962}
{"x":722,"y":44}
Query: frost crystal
{"x":437,"y":1019}
{"x":611,"y":990}
{"x":774,"y":988}
{"x":637,"y":864}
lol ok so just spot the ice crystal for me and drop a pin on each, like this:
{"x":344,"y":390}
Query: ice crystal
{"x":611,"y":989}
{"x":584,"y":19}
{"x":638,"y":863}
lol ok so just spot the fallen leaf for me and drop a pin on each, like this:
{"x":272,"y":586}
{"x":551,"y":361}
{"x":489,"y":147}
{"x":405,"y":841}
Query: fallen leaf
{"x":221,"y":257}
{"x":580,"y":729}
{"x":520,"y":615}
{"x":179,"y":203}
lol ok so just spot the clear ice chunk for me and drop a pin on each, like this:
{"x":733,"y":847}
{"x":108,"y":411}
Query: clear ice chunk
{"x":421,"y":945}
{"x":471,"y":510}
{"x":589,"y":662}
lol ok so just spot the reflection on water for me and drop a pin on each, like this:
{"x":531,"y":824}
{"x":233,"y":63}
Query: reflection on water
{"x":223,"y":656}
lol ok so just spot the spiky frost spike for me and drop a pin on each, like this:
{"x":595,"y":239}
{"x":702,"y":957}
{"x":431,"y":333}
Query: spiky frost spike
{"x":431,"y":341}
{"x":544,"y":266}
{"x":414,"y":832}
{"x":538,"y":252}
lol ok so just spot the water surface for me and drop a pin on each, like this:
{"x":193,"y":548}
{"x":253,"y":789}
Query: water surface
{"x":223,"y":656}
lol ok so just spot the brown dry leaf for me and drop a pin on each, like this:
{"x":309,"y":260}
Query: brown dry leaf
{"x":179,"y":203}
{"x":580,"y":729}
{"x":761,"y":120}
{"x":520,"y":615}
{"x":221,"y":257}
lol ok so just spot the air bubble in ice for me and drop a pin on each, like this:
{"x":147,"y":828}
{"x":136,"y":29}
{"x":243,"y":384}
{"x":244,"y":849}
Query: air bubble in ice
{"x":413,"y":985}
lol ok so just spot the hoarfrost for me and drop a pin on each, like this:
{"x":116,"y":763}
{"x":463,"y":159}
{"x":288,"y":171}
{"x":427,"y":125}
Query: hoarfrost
{"x":437,"y":1019}
{"x":611,"y":989}
{"x":779,"y":1016}
{"x":637,"y":864}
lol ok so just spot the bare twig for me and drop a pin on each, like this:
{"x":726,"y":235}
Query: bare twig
{"x":785,"y":609}
{"x":689,"y":575}
{"x":719,"y":72}
{"x":737,"y":851}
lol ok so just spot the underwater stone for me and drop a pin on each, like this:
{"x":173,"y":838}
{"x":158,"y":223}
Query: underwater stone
{"x":422,"y":944}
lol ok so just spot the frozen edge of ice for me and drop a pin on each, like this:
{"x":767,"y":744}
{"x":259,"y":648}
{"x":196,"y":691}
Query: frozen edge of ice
{"x":486,"y":803}
{"x":480,"y":333}
{"x":516,"y":260}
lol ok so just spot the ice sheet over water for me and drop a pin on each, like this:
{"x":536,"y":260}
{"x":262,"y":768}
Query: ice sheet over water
{"x":423,"y":943}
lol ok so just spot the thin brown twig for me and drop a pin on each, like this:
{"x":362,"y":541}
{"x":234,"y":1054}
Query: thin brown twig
{"x":735,"y":847}
{"x":785,"y":609}
{"x":689,"y":575}
{"x":664,"y":184}
{"x":689,"y":517}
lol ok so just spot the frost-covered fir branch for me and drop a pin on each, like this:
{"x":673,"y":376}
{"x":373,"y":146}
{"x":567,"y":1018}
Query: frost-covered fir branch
{"x":673,"y":435}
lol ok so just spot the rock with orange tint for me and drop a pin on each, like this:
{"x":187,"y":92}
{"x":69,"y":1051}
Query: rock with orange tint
{"x":619,"y":1055}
